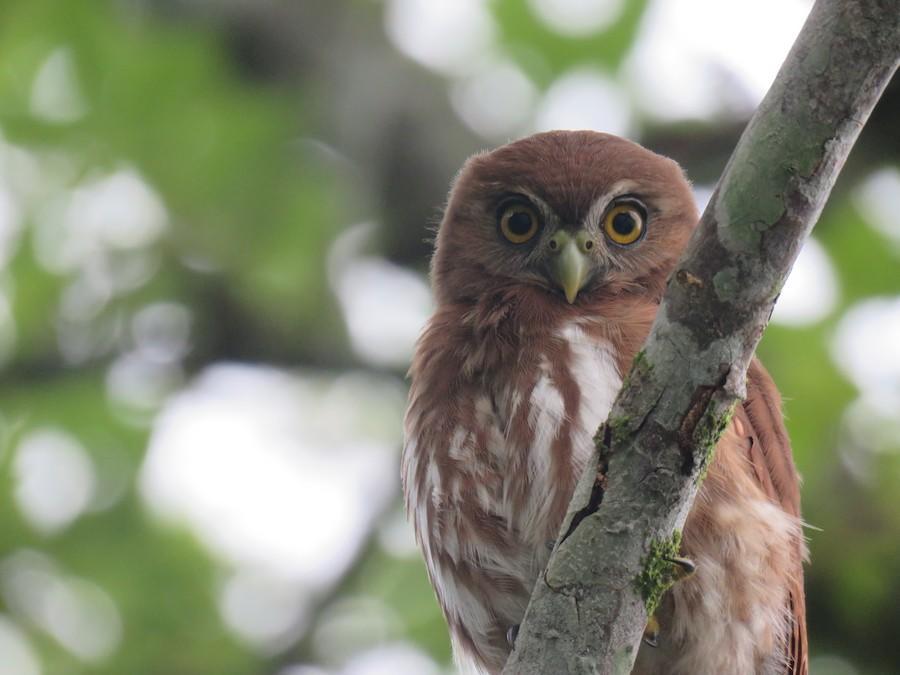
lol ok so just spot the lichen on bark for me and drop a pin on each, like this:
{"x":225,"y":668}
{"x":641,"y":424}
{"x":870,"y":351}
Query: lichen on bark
{"x":657,"y":575}
{"x":707,"y":434}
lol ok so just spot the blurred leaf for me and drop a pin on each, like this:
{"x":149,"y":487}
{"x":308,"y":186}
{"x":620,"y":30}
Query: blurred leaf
{"x":545,"y":54}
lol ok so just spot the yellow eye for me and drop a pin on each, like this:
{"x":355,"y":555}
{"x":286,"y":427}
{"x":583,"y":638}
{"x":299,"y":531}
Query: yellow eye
{"x":624,"y":224}
{"x":519,"y":223}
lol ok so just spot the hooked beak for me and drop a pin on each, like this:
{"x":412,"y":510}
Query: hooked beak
{"x":570,"y":263}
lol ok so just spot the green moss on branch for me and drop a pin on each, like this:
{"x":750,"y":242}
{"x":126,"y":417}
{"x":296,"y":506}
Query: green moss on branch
{"x":657,"y":575}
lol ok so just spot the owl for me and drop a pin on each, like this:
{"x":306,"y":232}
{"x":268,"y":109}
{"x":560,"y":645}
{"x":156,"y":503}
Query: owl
{"x":549,"y":266}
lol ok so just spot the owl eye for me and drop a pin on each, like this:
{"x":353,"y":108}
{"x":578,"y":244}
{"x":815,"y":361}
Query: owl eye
{"x":624,"y":224}
{"x":518,"y":223}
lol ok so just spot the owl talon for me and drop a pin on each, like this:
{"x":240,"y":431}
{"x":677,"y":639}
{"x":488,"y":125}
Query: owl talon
{"x":511,"y":633}
{"x":683,"y":567}
{"x":651,"y":632}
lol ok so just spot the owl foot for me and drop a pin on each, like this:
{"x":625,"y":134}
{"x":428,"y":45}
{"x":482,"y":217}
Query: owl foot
{"x":651,"y":632}
{"x":682,"y":568}
{"x":511,"y":633}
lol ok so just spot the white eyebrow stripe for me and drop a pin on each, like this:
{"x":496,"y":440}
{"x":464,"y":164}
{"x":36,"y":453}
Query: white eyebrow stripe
{"x":548,"y":213}
{"x":598,"y":208}
{"x":533,"y":197}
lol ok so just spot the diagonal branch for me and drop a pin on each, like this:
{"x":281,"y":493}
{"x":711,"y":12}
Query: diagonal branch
{"x":587,"y":611}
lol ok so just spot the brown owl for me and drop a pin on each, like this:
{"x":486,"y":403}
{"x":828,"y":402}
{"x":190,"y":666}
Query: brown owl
{"x":549,"y":267}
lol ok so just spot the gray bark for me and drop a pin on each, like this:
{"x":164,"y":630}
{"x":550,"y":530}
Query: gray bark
{"x":588,"y":610}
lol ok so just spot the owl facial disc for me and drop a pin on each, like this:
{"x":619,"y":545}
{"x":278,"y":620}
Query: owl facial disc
{"x":570,"y":262}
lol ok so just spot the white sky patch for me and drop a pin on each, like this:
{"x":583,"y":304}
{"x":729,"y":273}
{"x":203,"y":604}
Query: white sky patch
{"x":19,"y":658}
{"x":275,"y":472}
{"x":139,"y":383}
{"x":20,"y":172}
{"x":811,"y":291}
{"x":113,"y":212}
{"x":693,"y":57}
{"x":141,"y":379}
{"x":878,"y":198}
{"x":496,"y":101}
{"x":397,"y":658}
{"x":129,"y":269}
{"x":865,"y":348}
{"x":584,"y":99}
{"x":161,"y":331}
{"x":577,"y":18}
{"x":54,"y":479}
{"x":55,"y":94}
{"x":79,"y":341}
{"x":385,"y":306}
{"x":267,"y":612}
{"x":85,"y":296}
{"x":444,"y":35}
{"x":702,"y":195}
{"x":76,"y":612}
{"x":10,"y":222}
{"x":83,"y":619}
{"x":352,"y":625}
{"x":869,"y":426}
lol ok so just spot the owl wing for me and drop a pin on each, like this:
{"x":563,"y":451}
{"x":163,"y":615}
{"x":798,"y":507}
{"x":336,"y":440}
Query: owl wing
{"x":770,"y":455}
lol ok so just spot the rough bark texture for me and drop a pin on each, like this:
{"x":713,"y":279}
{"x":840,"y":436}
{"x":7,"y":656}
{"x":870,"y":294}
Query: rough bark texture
{"x":589,"y":609}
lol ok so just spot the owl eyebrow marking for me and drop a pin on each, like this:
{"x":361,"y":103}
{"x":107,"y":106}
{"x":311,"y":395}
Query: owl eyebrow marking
{"x":518,"y":192}
{"x":623,"y":188}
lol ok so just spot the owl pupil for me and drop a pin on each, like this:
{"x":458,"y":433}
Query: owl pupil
{"x":519,"y":223}
{"x":623,"y":223}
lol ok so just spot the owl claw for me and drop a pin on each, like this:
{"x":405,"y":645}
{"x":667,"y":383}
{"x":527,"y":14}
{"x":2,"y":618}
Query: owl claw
{"x":511,"y":633}
{"x":651,"y":632}
{"x":683,"y":567}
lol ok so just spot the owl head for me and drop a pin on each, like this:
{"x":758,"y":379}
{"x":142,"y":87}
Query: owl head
{"x":577,"y":215}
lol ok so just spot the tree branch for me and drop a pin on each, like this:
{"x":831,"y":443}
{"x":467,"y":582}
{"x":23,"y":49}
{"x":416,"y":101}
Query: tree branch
{"x":588,"y":610}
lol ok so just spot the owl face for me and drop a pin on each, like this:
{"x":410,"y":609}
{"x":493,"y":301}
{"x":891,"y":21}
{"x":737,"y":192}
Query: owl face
{"x":577,"y":214}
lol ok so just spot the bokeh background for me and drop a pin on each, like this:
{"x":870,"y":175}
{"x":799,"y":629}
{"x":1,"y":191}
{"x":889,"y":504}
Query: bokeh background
{"x":213,"y":250}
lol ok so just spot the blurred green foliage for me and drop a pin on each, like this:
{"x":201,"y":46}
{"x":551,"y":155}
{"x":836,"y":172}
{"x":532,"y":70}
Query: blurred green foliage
{"x":237,"y":118}
{"x":545,"y":54}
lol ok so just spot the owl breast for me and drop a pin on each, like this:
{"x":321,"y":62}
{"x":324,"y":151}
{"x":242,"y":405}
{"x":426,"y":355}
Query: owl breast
{"x":574,"y":389}
{"x":488,"y":484}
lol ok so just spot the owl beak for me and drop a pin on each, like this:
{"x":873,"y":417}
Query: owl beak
{"x":569,"y":264}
